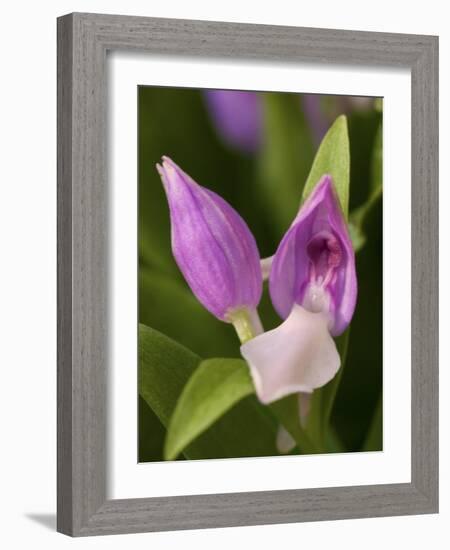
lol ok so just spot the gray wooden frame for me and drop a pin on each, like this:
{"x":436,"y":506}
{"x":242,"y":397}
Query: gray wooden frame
{"x":83,"y":40}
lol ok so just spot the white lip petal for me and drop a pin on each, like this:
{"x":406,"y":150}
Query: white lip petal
{"x":297,"y":356}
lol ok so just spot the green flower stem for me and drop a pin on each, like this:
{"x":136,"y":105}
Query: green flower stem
{"x":246,"y":323}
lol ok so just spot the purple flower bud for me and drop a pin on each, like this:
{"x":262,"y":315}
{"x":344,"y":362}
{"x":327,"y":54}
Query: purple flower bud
{"x":212,"y":245}
{"x":313,"y":287}
{"x":237,"y":117}
{"x":314,"y":265}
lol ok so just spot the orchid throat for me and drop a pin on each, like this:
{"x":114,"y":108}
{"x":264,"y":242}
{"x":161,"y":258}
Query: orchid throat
{"x":325,"y":255}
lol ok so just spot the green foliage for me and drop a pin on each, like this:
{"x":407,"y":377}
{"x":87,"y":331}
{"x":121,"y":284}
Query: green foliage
{"x":164,"y":370}
{"x":360,"y":214}
{"x":168,"y":305}
{"x":374,"y":438}
{"x":285,"y":158}
{"x":361,"y":381}
{"x":333,"y":158}
{"x":151,"y":434}
{"x":362,"y":130}
{"x":215,"y":386}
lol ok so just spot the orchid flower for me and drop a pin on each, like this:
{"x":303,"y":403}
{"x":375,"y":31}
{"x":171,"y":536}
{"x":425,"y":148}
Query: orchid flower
{"x":214,"y":249}
{"x":313,"y":287}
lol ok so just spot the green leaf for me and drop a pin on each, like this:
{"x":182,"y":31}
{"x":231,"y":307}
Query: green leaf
{"x":212,"y":390}
{"x":322,"y":400}
{"x":287,"y":412}
{"x":333,"y":157}
{"x":164,"y":370}
{"x":285,"y":158}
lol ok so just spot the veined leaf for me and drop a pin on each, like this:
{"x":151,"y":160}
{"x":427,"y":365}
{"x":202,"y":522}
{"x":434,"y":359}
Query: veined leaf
{"x":333,"y":157}
{"x":215,"y":386}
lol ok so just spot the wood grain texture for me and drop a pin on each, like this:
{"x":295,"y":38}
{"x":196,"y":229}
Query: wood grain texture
{"x":83,"y":318}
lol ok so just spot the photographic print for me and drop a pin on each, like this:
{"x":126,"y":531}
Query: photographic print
{"x":260,"y":274}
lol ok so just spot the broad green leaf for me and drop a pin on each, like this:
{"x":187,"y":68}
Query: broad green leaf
{"x":322,"y":400}
{"x":287,"y":412}
{"x":168,"y":305}
{"x":285,"y":158}
{"x":164,"y":370}
{"x":215,"y":386}
{"x":333,"y":157}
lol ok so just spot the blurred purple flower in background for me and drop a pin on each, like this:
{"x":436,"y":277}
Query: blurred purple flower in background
{"x":313,"y":287}
{"x":213,"y":247}
{"x":237,"y":118}
{"x":317,"y":121}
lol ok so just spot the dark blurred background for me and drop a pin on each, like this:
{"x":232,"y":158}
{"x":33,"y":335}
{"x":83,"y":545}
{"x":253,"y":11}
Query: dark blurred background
{"x":260,"y":170}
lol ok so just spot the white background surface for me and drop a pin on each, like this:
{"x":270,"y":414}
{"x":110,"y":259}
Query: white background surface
{"x":28,"y":273}
{"x":127,"y":478}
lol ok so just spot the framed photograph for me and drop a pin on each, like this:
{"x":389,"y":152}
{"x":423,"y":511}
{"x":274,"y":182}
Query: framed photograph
{"x":247,"y":274}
